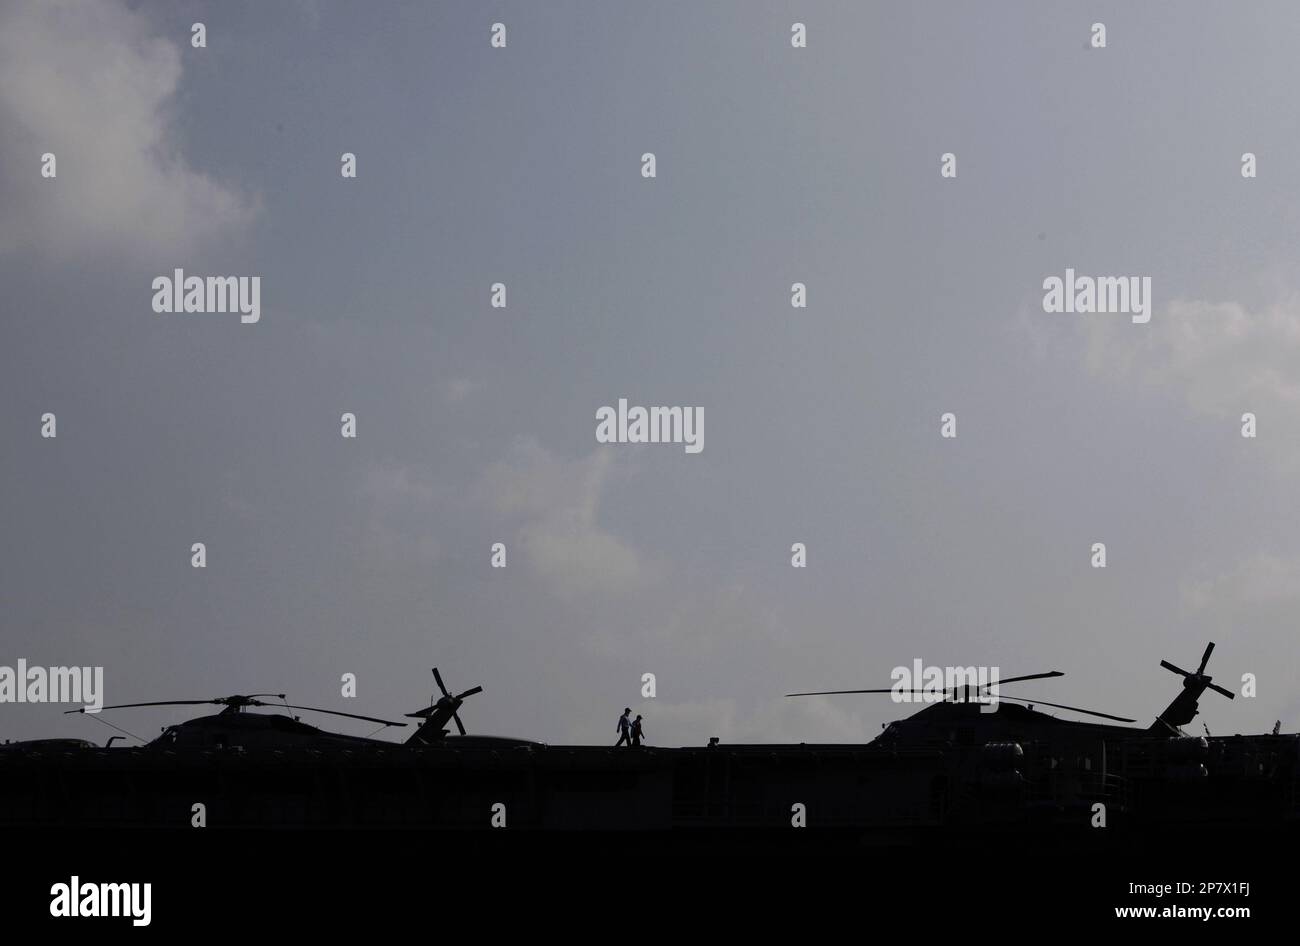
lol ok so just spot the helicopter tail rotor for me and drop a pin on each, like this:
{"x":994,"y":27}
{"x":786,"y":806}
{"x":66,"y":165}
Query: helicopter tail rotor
{"x":439,"y":713}
{"x":1184,"y":707}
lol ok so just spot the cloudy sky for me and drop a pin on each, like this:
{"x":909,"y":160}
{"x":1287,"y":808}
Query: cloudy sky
{"x":477,"y":425}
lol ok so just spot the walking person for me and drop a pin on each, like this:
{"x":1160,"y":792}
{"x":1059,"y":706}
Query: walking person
{"x":624,"y":728}
{"x":637,"y":731}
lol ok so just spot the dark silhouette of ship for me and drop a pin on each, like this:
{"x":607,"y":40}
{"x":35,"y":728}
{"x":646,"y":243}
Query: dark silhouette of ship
{"x":952,"y":770}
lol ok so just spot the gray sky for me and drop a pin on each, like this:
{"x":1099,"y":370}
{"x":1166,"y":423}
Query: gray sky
{"x":476,"y":425}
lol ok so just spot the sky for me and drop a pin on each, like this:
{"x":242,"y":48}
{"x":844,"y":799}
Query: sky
{"x":476,"y":425}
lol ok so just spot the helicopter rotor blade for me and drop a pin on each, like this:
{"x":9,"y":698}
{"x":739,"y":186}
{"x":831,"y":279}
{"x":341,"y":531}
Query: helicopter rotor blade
{"x":1218,"y":689}
{"x":459,"y":724}
{"x":1031,"y":676}
{"x":1074,"y":709}
{"x":1179,"y":670}
{"x":315,"y":709}
{"x":243,"y":700}
{"x":930,"y":692}
{"x":157,"y":703}
{"x":1205,"y":658}
{"x":441,"y":686}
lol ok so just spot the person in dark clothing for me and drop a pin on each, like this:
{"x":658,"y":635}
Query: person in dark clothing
{"x":637,"y":731}
{"x":624,"y":728}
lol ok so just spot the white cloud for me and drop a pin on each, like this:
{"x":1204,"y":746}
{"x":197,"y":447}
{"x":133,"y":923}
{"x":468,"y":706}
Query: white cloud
{"x":388,"y":484}
{"x":91,"y":83}
{"x":1262,"y":581}
{"x":1219,"y":358}
{"x":1225,"y":359}
{"x":714,"y":615}
{"x":457,"y":389}
{"x":400,"y":510}
{"x":553,"y":505}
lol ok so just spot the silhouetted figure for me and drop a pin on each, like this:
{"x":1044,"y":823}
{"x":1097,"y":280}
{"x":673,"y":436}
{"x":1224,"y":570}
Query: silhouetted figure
{"x":624,"y":728}
{"x":637,"y":731}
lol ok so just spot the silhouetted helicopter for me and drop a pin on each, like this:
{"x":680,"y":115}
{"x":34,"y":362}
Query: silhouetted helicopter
{"x":235,"y":727}
{"x":961,"y":713}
